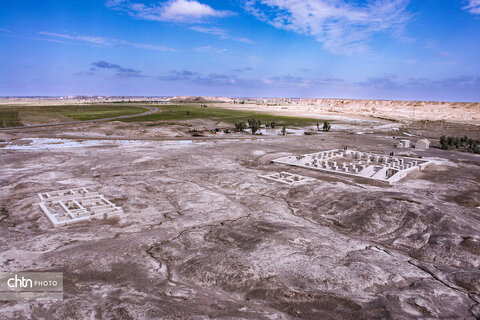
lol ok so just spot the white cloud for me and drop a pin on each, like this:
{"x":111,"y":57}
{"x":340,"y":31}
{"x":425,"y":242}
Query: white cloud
{"x":172,"y":10}
{"x":222,"y":33}
{"x":343,"y":26}
{"x":104,"y":41}
{"x":473,"y":6}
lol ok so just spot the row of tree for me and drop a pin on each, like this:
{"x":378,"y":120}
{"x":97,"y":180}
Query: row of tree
{"x":464,"y":143}
{"x":254,"y":125}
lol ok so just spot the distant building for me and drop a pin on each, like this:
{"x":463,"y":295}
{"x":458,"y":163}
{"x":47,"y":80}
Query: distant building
{"x":405,"y":143}
{"x":422,"y":144}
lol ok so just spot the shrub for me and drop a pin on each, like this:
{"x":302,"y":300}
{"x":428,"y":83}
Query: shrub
{"x":443,"y":142}
{"x":284,"y":130}
{"x":240,"y":125}
{"x":254,"y":124}
{"x":326,"y":126}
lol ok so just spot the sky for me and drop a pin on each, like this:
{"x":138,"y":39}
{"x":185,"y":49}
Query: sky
{"x":364,"y":49}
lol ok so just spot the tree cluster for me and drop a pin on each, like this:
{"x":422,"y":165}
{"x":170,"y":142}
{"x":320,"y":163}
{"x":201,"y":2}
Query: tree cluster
{"x":270,"y":125}
{"x":464,"y":143}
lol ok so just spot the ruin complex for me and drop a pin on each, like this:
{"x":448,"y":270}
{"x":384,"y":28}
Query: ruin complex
{"x":389,"y":169}
{"x":75,"y":205}
{"x":287,"y":178}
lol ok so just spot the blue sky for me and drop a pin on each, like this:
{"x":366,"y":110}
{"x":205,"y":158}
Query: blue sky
{"x":375,"y":49}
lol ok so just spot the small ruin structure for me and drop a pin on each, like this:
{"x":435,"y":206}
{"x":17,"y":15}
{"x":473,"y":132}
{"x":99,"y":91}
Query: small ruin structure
{"x":74,"y":205}
{"x":389,"y":169}
{"x":423,"y":144}
{"x":287,"y":178}
{"x":405,"y":143}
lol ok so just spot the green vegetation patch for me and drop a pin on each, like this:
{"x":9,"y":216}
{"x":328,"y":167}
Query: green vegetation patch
{"x":13,"y":115}
{"x":92,"y":112}
{"x":189,"y":112}
{"x":463,"y":144}
{"x":9,"y":118}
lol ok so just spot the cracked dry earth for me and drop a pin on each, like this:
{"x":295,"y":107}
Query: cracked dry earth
{"x":203,"y":237}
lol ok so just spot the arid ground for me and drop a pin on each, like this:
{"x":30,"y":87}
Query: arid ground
{"x":203,"y":237}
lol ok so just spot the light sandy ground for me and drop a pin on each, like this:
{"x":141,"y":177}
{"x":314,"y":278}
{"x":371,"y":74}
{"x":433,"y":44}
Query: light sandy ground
{"x":354,"y":110}
{"x":203,"y":237}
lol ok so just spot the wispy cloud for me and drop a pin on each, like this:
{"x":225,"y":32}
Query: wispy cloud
{"x":244,"y":69}
{"x":343,"y":26}
{"x":385,"y":82}
{"x":222,"y":33}
{"x":212,"y":79}
{"x":173,"y":10}
{"x":104,"y":41}
{"x":473,"y":6}
{"x":455,"y":82}
{"x":391,"y":82}
{"x":176,"y":75}
{"x":120,"y":71}
{"x":210,"y":49}
{"x":85,"y":73}
{"x":298,"y":81}
{"x":436,"y":49}
{"x":218,"y":79}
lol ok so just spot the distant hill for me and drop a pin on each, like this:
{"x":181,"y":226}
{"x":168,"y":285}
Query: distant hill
{"x":199,"y":99}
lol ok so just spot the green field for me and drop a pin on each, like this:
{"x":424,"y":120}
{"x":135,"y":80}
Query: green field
{"x":14,"y":115}
{"x":98,"y":111}
{"x":174,"y":113}
{"x":9,"y":118}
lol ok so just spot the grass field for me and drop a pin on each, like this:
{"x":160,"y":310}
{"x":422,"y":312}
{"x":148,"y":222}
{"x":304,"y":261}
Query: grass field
{"x":99,"y":111}
{"x":187,"y":112}
{"x":9,"y":118}
{"x":14,"y":115}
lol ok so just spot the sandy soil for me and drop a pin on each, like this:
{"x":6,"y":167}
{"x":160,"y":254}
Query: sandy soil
{"x":203,"y":237}
{"x":465,"y":113}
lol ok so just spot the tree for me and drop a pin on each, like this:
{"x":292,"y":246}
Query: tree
{"x":443,"y":142}
{"x":254,"y":124}
{"x":326,"y":126}
{"x":240,"y":125}
{"x":318,"y":126}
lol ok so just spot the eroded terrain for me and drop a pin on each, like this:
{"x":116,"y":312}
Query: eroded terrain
{"x":204,"y":237}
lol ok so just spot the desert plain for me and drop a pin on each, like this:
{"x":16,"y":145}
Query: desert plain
{"x":202,"y":236}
